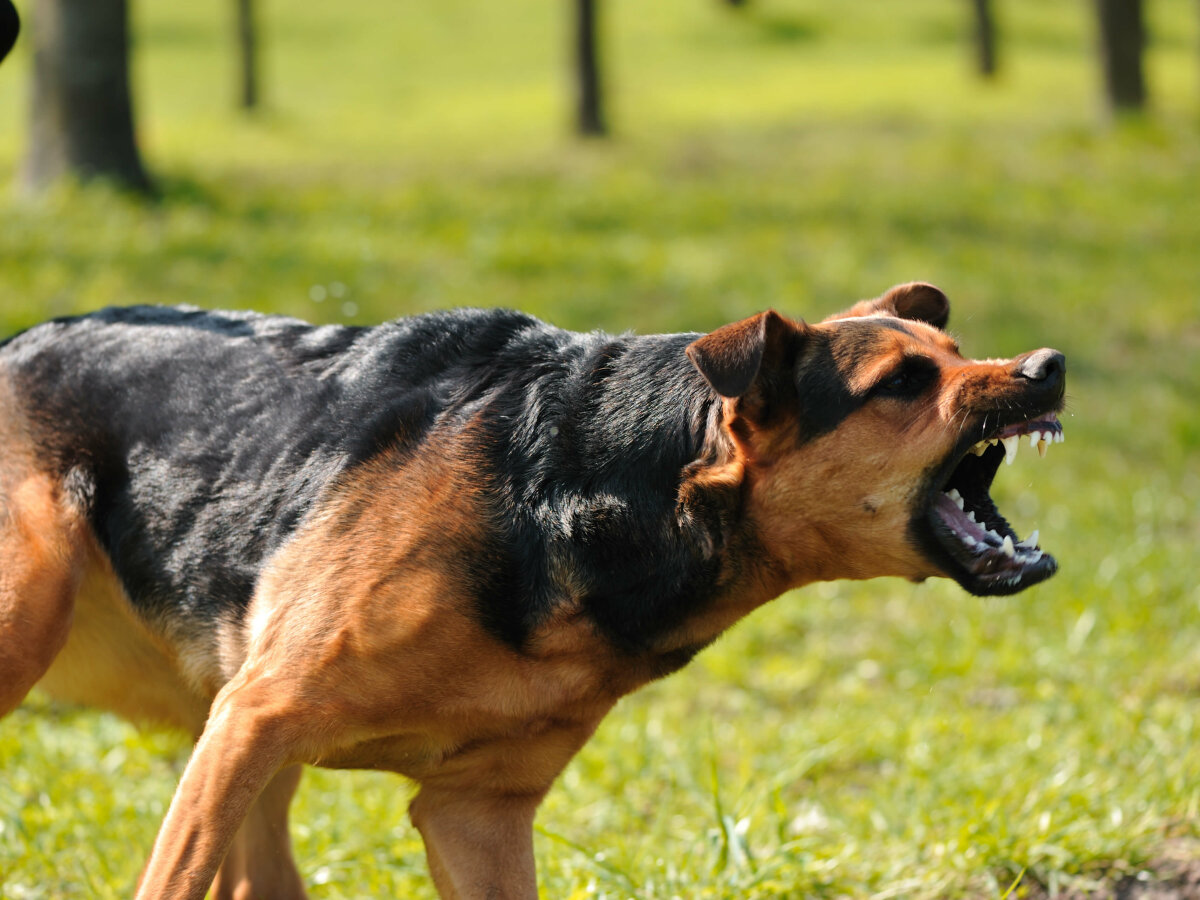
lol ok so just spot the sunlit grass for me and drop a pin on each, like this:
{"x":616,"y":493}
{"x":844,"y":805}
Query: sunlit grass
{"x":878,"y":740}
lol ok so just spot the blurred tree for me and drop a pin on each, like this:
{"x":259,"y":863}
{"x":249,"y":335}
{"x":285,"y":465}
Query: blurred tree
{"x":81,"y":112}
{"x":10,"y":27}
{"x":247,"y":40}
{"x":985,"y":37}
{"x":1122,"y":40}
{"x":589,"y":93}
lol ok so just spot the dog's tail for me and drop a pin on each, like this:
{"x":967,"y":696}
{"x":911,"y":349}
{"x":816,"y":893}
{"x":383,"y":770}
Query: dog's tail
{"x":10,"y":27}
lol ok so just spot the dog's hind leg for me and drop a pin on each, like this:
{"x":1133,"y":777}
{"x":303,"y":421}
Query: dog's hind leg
{"x":41,"y":555}
{"x":259,"y":864}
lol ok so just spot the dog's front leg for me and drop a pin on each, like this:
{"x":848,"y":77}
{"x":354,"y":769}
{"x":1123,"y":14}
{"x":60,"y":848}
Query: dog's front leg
{"x":249,"y":737}
{"x":259,"y":864}
{"x":479,"y":844}
{"x":476,"y":812}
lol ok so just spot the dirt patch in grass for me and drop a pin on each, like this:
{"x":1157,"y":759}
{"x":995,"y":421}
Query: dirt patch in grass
{"x":1174,"y":876}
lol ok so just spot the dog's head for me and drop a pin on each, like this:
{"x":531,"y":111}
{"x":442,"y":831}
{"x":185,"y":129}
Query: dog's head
{"x":868,"y":443}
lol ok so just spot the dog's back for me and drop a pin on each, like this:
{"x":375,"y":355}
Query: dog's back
{"x":196,"y":442}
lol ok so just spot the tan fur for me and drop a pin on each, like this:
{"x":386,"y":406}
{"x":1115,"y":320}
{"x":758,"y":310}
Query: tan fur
{"x":113,"y":661}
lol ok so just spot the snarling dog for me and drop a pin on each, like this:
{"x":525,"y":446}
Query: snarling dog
{"x":445,"y":546}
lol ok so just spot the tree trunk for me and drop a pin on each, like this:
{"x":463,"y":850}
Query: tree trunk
{"x":247,"y":38}
{"x":589,"y":105}
{"x":1122,"y":40}
{"x":985,"y":37}
{"x":82,"y":115}
{"x":10,"y":27}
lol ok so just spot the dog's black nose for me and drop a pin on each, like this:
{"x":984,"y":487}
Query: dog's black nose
{"x":1042,"y":365}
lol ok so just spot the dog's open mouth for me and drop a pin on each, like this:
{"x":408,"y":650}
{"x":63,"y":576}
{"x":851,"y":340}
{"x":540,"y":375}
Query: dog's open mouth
{"x":987,"y":555}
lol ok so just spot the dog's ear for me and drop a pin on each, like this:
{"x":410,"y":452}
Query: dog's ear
{"x":916,"y":300}
{"x":731,"y":357}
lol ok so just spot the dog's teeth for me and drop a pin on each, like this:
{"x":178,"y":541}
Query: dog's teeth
{"x":1058,"y":437}
{"x":1041,"y":445}
{"x":980,"y":448}
{"x":954,"y":495}
{"x":992,"y":442}
{"x":1007,"y":547}
{"x":1030,"y":542}
{"x":971,"y":514}
{"x":1010,"y":449}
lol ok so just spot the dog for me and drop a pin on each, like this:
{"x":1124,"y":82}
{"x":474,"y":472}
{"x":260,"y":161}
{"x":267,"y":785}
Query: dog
{"x":446,"y":545}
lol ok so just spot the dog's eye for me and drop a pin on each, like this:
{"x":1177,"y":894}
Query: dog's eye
{"x":910,"y":379}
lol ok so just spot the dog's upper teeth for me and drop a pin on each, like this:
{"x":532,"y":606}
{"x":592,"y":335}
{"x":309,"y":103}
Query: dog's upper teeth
{"x":980,"y":448}
{"x":954,"y":495}
{"x":1041,"y":445}
{"x":1010,"y":448}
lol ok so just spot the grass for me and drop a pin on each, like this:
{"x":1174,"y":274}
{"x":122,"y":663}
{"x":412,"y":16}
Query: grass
{"x":850,"y":740}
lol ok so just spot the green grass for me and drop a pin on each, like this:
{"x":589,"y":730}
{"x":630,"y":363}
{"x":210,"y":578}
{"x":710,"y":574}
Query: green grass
{"x":875,"y":740}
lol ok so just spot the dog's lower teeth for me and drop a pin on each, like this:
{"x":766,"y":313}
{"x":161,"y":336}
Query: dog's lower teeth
{"x":1007,"y":546}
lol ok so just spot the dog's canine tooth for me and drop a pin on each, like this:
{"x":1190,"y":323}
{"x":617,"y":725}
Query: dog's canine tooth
{"x":1041,"y":447}
{"x":1030,"y":542}
{"x":1010,"y":448}
{"x":1007,"y":547}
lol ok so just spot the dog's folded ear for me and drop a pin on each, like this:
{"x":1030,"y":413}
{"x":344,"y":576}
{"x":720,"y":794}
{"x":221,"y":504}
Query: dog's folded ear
{"x":916,"y":300}
{"x":731,"y":357}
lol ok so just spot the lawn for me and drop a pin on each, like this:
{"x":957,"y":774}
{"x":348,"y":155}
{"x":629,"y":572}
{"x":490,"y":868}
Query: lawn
{"x":881,"y":740}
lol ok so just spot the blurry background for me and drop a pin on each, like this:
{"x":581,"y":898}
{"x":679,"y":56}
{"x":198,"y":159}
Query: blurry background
{"x":879,"y":740}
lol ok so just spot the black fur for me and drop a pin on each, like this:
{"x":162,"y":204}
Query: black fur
{"x":201,"y":440}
